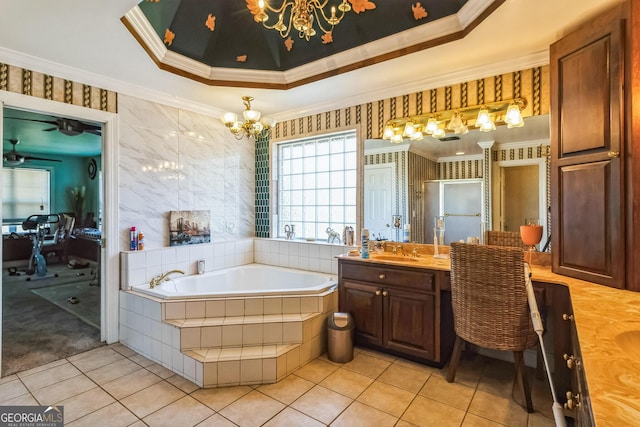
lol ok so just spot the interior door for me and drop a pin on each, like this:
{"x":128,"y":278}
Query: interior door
{"x":379,"y":199}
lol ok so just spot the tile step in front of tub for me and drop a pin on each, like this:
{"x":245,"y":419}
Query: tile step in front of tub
{"x":252,"y":365}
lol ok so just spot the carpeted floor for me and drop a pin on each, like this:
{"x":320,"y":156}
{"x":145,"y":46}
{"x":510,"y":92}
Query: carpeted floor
{"x":35,"y":330}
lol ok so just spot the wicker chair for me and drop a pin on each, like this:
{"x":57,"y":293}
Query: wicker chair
{"x":490,"y":307}
{"x":504,"y":238}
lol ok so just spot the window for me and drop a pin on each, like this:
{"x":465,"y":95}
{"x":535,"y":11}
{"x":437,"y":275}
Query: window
{"x":317,"y":184}
{"x":25,"y":192}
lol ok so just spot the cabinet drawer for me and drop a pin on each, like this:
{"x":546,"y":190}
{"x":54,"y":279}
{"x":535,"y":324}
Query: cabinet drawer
{"x":417,"y":279}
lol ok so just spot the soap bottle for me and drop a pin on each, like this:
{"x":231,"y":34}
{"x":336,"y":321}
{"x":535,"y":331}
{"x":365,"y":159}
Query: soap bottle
{"x":133,"y":239}
{"x":406,"y":233}
{"x":364,"y":235}
{"x":140,"y":240}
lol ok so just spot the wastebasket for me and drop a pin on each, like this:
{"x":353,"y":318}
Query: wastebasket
{"x":340,"y":329}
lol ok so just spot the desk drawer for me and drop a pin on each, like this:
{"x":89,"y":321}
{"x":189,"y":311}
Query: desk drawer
{"x":406,"y":277}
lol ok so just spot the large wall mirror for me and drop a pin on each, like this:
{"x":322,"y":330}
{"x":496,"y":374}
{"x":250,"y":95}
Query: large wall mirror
{"x":399,"y":179}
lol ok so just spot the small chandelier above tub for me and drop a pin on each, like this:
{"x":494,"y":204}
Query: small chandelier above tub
{"x":252,"y":126}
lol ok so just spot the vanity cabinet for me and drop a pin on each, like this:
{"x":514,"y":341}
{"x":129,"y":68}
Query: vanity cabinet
{"x":397,"y":309}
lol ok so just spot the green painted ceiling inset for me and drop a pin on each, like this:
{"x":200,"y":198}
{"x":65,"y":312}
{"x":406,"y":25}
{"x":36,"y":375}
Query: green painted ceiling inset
{"x":237,"y":34}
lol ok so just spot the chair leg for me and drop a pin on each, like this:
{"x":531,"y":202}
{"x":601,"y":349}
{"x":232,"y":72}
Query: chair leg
{"x":521,"y":378}
{"x":455,"y":359}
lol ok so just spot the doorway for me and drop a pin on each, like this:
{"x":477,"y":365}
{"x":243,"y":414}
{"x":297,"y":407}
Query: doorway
{"x":379,"y":200}
{"x":104,"y":258}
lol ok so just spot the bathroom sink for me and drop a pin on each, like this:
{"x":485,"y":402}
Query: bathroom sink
{"x":396,"y":258}
{"x":629,"y":342}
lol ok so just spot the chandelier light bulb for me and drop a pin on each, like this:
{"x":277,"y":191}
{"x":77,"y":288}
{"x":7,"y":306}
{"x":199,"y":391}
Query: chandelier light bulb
{"x":455,"y":122}
{"x":432,"y":125}
{"x":513,"y":117}
{"x":388,"y":132}
{"x":417,"y":136}
{"x":483,"y":117}
{"x":229,"y":118}
{"x":409,"y":129}
{"x":251,"y":115}
{"x":397,"y":138}
{"x":438,"y":133}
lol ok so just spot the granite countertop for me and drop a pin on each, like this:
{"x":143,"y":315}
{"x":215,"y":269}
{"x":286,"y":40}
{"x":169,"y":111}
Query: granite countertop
{"x":608,"y":325}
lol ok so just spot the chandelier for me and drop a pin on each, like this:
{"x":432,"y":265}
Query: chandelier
{"x":483,"y":117}
{"x":301,"y":15}
{"x":252,"y":125}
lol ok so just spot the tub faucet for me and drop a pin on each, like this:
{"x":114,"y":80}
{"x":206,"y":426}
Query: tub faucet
{"x":159,"y":278}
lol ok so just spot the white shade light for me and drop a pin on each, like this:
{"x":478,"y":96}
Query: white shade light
{"x":432,"y":125}
{"x":513,"y":118}
{"x":409,"y":129}
{"x":252,"y":125}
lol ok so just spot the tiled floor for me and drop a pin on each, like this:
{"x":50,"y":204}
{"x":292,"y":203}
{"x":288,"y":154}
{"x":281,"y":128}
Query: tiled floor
{"x":114,"y":386}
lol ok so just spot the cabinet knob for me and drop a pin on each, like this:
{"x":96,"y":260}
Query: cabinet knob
{"x":613,"y":154}
{"x":385,"y":293}
{"x":378,"y":292}
{"x":381,"y":276}
{"x":566,"y":316}
{"x":573,"y":401}
{"x":570,"y":360}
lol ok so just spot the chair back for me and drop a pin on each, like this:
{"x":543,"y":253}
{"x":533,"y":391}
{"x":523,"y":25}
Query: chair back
{"x":504,"y":238}
{"x":489,"y":297}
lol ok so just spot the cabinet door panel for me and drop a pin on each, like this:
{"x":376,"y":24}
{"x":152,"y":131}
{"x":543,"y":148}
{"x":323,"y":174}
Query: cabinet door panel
{"x":365,"y":307}
{"x":410,"y":320}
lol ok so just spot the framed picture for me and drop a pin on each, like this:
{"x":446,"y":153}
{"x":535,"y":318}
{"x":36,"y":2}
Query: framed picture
{"x":189,"y":227}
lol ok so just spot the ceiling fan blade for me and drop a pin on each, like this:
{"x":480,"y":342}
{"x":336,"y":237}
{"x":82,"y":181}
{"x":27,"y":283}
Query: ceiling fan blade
{"x":94,"y":131}
{"x":42,"y":159}
{"x":50,"y":129}
{"x":51,"y":122}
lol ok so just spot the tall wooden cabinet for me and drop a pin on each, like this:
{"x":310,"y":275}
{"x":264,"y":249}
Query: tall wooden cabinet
{"x":593,"y":183}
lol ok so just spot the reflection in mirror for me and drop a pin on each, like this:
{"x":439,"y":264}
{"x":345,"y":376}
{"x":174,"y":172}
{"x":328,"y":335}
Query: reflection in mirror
{"x":518,"y":155}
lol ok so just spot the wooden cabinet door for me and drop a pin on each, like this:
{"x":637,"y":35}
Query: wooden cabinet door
{"x":587,"y":142}
{"x":411,"y":325}
{"x":364,"y":303}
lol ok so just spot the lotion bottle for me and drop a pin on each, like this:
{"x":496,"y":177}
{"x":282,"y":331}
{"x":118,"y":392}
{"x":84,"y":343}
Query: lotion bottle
{"x":364,"y":235}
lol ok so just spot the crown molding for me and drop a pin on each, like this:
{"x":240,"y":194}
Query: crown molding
{"x":392,"y":148}
{"x":460,"y":158}
{"x":522,"y":144}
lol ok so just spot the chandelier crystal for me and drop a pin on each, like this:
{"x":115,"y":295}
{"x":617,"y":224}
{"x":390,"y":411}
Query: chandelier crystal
{"x":301,"y":15}
{"x":252,"y":126}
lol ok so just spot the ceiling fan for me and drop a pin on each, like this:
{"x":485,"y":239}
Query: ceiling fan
{"x":69,"y":127}
{"x":13,"y":158}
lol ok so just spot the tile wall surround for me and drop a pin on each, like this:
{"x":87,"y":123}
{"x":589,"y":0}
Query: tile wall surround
{"x":174,"y":159}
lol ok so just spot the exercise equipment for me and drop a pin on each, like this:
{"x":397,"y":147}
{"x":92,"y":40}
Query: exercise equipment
{"x":39,"y":227}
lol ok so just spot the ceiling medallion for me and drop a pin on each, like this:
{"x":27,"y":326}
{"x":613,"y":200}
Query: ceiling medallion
{"x":304,"y":15}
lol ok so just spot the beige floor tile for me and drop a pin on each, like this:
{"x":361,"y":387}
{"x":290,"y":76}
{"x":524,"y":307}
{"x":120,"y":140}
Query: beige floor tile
{"x":404,"y":377}
{"x":113,"y":415}
{"x":539,"y":420}
{"x":218,"y":398}
{"x":89,"y":353}
{"x":542,"y":398}
{"x":182,"y":383}
{"x":132,"y":383}
{"x":289,"y":417}
{"x":63,"y":390}
{"x":469,"y":370}
{"x":403,"y":423}
{"x":11,"y":389}
{"x":360,"y":415}
{"x":316,"y":370}
{"x":499,"y":409}
{"x":252,"y":409}
{"x":22,"y":400}
{"x":85,"y":403}
{"x":123,"y":350}
{"x":288,"y":389}
{"x":8,"y":379}
{"x":50,"y":376}
{"x":387,"y":398}
{"x":367,"y":365}
{"x":216,"y":420}
{"x":376,"y":354}
{"x":322,"y":404}
{"x":498,"y":378}
{"x":471,"y":420}
{"x":419,"y":366}
{"x":454,"y":394}
{"x":113,"y":371}
{"x":160,"y":370}
{"x":141,"y":360}
{"x":98,"y":360}
{"x":347,"y":382}
{"x":45,"y":367}
{"x":426,"y":412}
{"x":152,"y":398}
{"x":186,"y":411}
{"x":139,"y":423}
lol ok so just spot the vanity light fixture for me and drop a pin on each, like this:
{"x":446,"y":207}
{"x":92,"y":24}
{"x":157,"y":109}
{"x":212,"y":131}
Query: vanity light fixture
{"x":436,"y":124}
{"x":252,"y":126}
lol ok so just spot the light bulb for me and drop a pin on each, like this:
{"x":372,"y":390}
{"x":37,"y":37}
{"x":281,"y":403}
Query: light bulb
{"x":455,"y":122}
{"x":228,"y":118}
{"x":397,"y":138}
{"x":251,"y":115}
{"x":438,"y":133}
{"x":432,"y":125}
{"x":388,"y":132}
{"x":409,"y":129}
{"x":513,"y":117}
{"x":483,"y":117}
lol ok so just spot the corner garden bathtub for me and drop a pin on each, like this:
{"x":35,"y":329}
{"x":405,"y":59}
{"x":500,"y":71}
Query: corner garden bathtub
{"x":250,"y":280}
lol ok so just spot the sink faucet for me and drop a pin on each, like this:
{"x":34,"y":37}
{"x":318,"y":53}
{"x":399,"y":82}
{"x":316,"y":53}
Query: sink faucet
{"x":415,"y":253}
{"x":394,"y":250}
{"x":159,"y":278}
